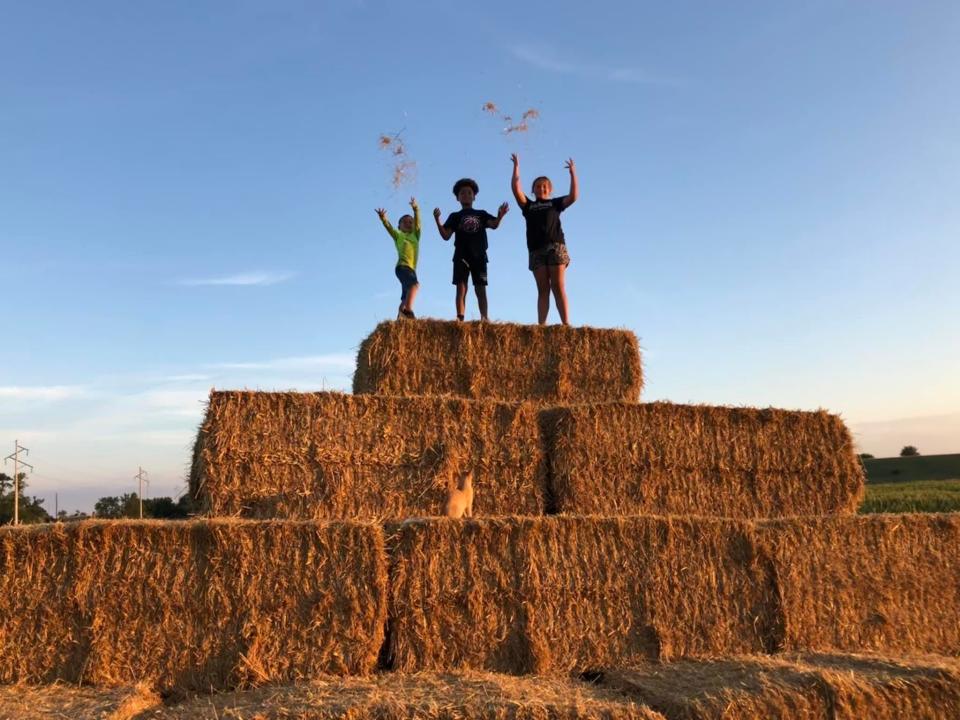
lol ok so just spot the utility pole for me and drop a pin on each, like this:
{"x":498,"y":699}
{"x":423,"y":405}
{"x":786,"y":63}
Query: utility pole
{"x":17,"y":462}
{"x":141,"y":477}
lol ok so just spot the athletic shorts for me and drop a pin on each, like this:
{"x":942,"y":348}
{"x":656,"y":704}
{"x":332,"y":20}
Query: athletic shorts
{"x":408,"y":279}
{"x":553,"y":254}
{"x":465,"y":267}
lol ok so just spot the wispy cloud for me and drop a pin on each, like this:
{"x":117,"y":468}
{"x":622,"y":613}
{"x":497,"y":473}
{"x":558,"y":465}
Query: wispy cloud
{"x":546,"y":59}
{"x":333,"y":362}
{"x":253,"y":278}
{"x":42,"y":392}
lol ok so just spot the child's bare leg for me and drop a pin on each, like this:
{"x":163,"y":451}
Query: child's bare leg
{"x":411,"y":294}
{"x":542,"y":276}
{"x":481,"y":291}
{"x":559,"y":287}
{"x":461,"y":299}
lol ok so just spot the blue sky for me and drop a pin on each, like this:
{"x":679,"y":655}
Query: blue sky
{"x":187,"y":192}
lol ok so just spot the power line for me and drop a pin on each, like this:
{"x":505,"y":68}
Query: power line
{"x":15,"y":456}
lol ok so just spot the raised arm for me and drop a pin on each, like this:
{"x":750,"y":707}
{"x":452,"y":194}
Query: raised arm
{"x":386,"y":223}
{"x":571,"y":196}
{"x":416,"y":215}
{"x":515,"y":183}
{"x":494,"y":223}
{"x":445,"y":233}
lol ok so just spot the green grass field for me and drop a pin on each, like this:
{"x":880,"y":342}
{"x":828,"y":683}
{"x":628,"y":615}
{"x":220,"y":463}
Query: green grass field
{"x":918,"y":496}
{"x":923,"y":483}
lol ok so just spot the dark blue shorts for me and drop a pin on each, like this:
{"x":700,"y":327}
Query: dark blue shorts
{"x":408,"y":279}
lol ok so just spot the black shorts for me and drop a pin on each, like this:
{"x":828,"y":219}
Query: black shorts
{"x":465,"y":266}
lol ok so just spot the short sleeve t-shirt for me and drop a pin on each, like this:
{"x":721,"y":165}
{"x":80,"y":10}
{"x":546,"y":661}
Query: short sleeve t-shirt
{"x":543,"y":222}
{"x":470,"y":231}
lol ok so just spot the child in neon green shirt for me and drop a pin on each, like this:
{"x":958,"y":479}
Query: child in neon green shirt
{"x":407,"y":239}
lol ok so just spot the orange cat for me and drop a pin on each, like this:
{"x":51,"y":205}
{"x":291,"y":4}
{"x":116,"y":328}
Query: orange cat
{"x":460,"y":500}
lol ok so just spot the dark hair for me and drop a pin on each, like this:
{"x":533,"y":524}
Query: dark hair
{"x":404,"y":216}
{"x":465,"y":182}
{"x":536,"y":180}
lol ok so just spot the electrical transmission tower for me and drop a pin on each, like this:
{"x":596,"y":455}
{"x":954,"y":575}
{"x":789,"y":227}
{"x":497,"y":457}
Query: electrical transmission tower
{"x":141,"y":477}
{"x":17,"y":463}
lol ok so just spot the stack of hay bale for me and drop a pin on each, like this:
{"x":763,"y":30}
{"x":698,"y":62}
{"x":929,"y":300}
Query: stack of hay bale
{"x":692,"y":560}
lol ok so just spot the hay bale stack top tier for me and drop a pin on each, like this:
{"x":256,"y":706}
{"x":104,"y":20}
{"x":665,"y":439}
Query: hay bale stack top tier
{"x":500,"y":361}
{"x":329,"y":455}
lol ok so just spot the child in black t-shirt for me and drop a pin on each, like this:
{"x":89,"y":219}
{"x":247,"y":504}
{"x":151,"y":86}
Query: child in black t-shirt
{"x":545,"y":242}
{"x":470,"y":244}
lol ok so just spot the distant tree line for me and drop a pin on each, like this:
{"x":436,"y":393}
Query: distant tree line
{"x":128,"y":506}
{"x":31,"y":508}
{"x":111,"y":507}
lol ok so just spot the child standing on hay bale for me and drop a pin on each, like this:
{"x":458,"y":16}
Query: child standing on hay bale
{"x":545,"y":242}
{"x":470,"y":244}
{"x":407,"y":240}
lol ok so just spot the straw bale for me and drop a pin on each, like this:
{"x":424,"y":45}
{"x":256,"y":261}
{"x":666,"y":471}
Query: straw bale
{"x":42,"y":702}
{"x":425,"y":696}
{"x":742,"y":688}
{"x":663,"y":458}
{"x":883,"y":583}
{"x":330,"y":455}
{"x":193,"y":605}
{"x":795,"y":687}
{"x":500,"y":361}
{"x":553,"y":594}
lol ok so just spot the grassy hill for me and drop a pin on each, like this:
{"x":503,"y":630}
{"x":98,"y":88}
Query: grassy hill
{"x":912,"y":469}
{"x":923,"y":483}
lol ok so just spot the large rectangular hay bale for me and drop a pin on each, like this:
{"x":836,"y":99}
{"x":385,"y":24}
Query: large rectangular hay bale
{"x":500,"y":361}
{"x":811,"y":687}
{"x":883,"y":583}
{"x":191,"y":605}
{"x":664,"y":458}
{"x":553,"y":594}
{"x":424,"y":696}
{"x":329,"y":455}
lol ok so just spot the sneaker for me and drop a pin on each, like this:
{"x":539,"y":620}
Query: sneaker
{"x":408,"y":314}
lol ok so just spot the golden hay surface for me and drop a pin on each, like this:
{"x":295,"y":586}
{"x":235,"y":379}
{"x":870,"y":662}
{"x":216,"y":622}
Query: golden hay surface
{"x":664,"y":458}
{"x":547,"y":595}
{"x":71,"y":702}
{"x":884,"y":583}
{"x":461,"y":696}
{"x":190,"y":605}
{"x":500,"y":361}
{"x":335,"y":456}
{"x":797,"y":687}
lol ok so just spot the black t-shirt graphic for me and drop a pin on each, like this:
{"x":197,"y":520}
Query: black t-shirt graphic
{"x":470,"y":231}
{"x":543,"y":222}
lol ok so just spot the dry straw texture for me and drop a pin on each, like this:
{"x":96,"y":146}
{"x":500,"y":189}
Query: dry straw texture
{"x":500,"y":361}
{"x":461,"y":696}
{"x":663,"y":458}
{"x":814,"y":687}
{"x":548,"y":595}
{"x":885,"y":583}
{"x":190,"y":605}
{"x":331,"y":455}
{"x":72,"y":702}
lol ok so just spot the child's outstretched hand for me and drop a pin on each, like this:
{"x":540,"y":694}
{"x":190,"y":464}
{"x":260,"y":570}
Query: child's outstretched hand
{"x":570,"y":166}
{"x":413,"y":203}
{"x":382,"y":213}
{"x":515,"y":158}
{"x":503,"y":210}
{"x":436,"y":213}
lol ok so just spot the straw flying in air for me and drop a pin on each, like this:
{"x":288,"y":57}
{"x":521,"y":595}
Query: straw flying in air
{"x":403,"y":167}
{"x":510,"y":125}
